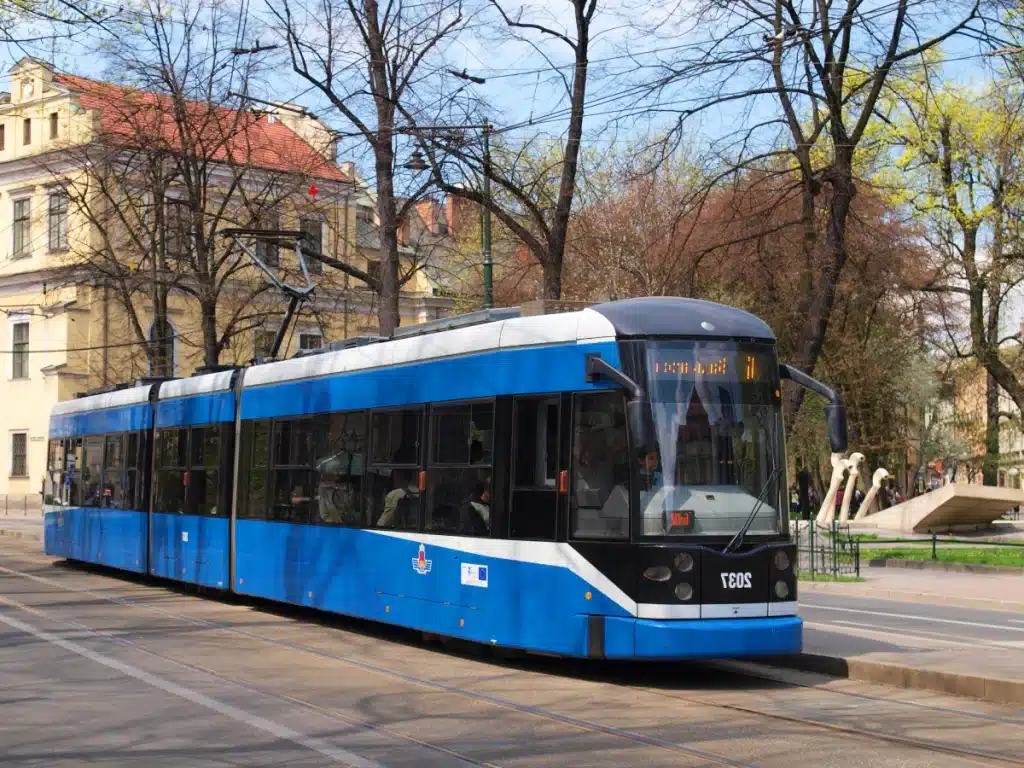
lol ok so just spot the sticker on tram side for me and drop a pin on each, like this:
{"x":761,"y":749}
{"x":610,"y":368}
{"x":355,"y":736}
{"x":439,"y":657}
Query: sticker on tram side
{"x":474,"y":575}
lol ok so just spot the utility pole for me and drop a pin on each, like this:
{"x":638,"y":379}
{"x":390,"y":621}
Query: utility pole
{"x":485,"y":229}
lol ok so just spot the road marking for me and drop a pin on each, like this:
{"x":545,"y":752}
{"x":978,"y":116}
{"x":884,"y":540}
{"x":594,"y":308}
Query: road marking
{"x":888,"y":634}
{"x":913,"y":617}
{"x":916,"y":642}
{"x":336,"y":754}
{"x":1016,"y":621}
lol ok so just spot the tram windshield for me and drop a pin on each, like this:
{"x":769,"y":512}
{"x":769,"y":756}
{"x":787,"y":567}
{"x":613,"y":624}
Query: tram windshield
{"x":718,"y":453}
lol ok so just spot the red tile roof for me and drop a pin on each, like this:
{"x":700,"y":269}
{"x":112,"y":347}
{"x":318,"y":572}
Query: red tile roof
{"x":128,"y":116}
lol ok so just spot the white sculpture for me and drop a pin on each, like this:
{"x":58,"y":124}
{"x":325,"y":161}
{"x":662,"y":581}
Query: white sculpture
{"x":828,"y":505}
{"x":851,"y":485}
{"x":876,"y":485}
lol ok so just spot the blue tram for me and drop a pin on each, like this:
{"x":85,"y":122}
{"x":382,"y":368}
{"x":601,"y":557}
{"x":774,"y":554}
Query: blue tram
{"x":607,"y":483}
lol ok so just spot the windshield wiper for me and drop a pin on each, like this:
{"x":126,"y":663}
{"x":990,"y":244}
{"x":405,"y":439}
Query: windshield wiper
{"x":758,"y":503}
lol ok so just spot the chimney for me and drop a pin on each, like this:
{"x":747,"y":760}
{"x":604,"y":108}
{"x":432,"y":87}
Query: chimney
{"x":348,"y":168}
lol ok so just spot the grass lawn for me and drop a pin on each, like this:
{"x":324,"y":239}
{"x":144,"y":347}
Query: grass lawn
{"x":1007,"y":556}
{"x":826,"y":577}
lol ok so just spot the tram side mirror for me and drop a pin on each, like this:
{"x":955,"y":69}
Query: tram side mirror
{"x":835,"y":413}
{"x":640,"y":427}
{"x":835,"y":419}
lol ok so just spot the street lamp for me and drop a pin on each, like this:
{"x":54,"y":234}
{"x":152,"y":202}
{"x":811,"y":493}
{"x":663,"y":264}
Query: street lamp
{"x":416,"y":164}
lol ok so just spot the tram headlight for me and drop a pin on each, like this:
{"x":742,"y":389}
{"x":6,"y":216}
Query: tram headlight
{"x":781,"y":589}
{"x":683,"y":591}
{"x":781,"y":560}
{"x":658,"y":573}
{"x":684,"y":562}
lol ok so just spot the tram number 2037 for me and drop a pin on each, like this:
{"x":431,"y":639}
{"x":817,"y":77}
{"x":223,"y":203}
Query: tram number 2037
{"x":736,"y":580}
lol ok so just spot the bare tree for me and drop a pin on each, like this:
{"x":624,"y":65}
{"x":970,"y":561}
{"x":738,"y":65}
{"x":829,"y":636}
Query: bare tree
{"x":535,"y":180}
{"x":812,"y":72}
{"x":169,"y":166}
{"x":374,"y":64}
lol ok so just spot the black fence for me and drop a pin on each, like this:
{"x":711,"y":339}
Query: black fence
{"x":825,"y":551}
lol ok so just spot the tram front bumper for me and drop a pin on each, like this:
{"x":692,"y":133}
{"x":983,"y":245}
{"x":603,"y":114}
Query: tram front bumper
{"x":717,"y":638}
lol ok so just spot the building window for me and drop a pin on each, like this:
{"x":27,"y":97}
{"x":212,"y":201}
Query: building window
{"x":22,"y":228}
{"x":3,"y":138}
{"x":263,"y":342}
{"x":364,"y":213}
{"x":19,"y":350}
{"x":313,"y":227}
{"x":26,"y":131}
{"x":19,"y":454}
{"x":177,"y":230}
{"x":58,"y":222}
{"x":310,"y":341}
{"x":269,"y":252}
{"x":53,"y":125}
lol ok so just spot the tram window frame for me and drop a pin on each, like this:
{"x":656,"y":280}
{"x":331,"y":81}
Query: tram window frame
{"x":254,"y":469}
{"x":381,"y":476}
{"x":597,"y":498}
{"x":451,"y":464}
{"x":203,"y":463}
{"x":331,"y":439}
{"x":528,"y":497}
{"x":114,"y":470}
{"x":292,"y":508}
{"x":76,"y":451}
{"x":98,"y":445}
{"x":171,"y":470}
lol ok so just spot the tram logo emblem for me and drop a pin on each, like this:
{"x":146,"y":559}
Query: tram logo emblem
{"x":420,"y":564}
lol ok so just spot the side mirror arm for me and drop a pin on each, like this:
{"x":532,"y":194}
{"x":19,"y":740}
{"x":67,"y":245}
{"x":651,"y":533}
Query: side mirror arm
{"x":636,"y":409}
{"x":596,"y":368}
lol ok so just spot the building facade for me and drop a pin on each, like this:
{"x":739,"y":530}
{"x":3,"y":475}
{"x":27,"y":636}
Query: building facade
{"x":78,"y":264}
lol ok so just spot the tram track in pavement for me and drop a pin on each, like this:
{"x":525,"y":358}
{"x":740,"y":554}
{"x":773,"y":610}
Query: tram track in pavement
{"x":582,"y":724}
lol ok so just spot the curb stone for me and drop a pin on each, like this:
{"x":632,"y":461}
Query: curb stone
{"x":999,"y":690}
{"x":928,"y":565}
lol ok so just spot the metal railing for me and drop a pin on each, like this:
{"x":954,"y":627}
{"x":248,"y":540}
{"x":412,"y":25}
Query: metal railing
{"x":939,"y":544}
{"x":21,"y":505}
{"x":828,"y":551}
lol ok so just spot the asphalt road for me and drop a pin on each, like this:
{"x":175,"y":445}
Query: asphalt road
{"x":853,"y":625}
{"x":101,"y":669}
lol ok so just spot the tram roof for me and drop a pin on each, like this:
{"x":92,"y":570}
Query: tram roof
{"x":675,"y":316}
{"x":507,"y":329}
{"x":120,"y":397}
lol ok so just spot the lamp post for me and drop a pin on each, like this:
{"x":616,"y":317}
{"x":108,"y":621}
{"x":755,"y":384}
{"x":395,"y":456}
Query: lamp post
{"x":417,"y":163}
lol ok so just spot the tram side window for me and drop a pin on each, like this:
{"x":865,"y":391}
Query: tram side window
{"x":133,"y":493}
{"x":113,"y":469}
{"x":54,"y":472}
{"x":74,"y":461}
{"x":292,"y":470}
{"x":459,"y":471}
{"x":254,"y":469}
{"x":393,"y":476}
{"x":209,"y":452}
{"x":600,"y":470}
{"x":534,"y":508}
{"x":172,"y":458}
{"x":340,"y":468}
{"x":92,"y":471}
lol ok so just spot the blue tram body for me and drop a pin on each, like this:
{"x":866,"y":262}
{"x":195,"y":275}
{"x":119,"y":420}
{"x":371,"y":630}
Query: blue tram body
{"x":190,"y":540}
{"x":485,"y":482}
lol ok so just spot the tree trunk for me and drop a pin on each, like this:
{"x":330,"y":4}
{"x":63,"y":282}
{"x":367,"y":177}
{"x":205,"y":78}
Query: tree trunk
{"x":552,"y":278}
{"x":815,"y":326}
{"x":990,"y":464}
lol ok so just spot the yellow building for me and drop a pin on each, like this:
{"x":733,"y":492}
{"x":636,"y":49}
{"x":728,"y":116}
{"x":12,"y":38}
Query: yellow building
{"x":79,"y":262}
